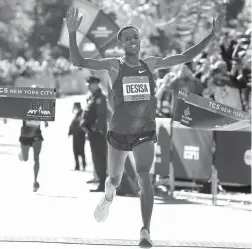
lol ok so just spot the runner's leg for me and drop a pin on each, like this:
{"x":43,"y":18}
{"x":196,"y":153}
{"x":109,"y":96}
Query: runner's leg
{"x":116,"y":161}
{"x":37,"y":145}
{"x":77,"y":164}
{"x":144,"y":156}
{"x":24,"y":156}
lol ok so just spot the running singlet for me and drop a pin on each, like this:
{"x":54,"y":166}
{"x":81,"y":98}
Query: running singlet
{"x":133,"y":100}
{"x":31,"y":129}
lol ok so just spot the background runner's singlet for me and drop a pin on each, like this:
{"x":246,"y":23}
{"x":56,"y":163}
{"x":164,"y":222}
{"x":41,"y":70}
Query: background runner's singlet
{"x":133,"y":100}
{"x":31,"y":129}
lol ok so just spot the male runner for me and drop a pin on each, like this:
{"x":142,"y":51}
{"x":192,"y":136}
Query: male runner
{"x":132,"y":126}
{"x":31,"y":136}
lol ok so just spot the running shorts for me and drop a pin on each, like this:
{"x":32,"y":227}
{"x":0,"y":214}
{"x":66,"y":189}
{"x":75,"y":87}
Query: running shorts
{"x":126,"y":142}
{"x":29,"y":140}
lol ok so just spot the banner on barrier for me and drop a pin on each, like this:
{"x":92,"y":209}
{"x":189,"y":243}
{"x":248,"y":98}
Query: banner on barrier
{"x":233,"y":157}
{"x":190,"y":153}
{"x":27,"y":103}
{"x":197,"y":112}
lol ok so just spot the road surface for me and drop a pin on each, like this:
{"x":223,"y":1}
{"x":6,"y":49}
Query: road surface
{"x":60,"y":214}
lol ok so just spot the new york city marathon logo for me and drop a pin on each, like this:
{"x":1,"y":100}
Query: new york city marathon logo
{"x":39,"y":109}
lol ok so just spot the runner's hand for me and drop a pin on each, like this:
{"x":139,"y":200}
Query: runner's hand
{"x":72,"y":19}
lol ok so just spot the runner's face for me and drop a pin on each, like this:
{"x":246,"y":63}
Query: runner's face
{"x":130,"y":41}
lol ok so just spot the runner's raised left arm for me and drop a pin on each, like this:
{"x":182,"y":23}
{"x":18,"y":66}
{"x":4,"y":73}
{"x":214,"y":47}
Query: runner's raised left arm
{"x":189,"y":54}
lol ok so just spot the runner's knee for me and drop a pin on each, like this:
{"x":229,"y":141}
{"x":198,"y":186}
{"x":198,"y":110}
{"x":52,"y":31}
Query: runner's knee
{"x":25,"y":153}
{"x":115,"y":181}
{"x":36,"y":150}
{"x":25,"y":156}
{"x":116,"y":161}
{"x":143,"y":171}
{"x":144,"y":168}
{"x":36,"y":158}
{"x":144,"y":179}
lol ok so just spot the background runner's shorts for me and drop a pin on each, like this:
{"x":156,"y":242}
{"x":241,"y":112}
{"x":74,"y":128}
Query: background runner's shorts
{"x":126,"y":142}
{"x":29,"y":140}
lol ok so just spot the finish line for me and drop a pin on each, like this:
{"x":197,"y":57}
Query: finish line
{"x":122,"y":242}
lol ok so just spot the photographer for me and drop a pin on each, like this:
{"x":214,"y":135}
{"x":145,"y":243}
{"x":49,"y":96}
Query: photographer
{"x":241,"y":68}
{"x":241,"y":76}
{"x":184,"y":80}
{"x":222,"y":88}
{"x":227,"y":47}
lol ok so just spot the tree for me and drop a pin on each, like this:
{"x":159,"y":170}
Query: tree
{"x":16,"y":23}
{"x":48,"y":20}
{"x":164,"y":25}
{"x":31,"y":24}
{"x":168,"y":24}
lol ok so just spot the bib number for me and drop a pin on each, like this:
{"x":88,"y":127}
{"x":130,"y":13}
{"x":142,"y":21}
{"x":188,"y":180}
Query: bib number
{"x":136,"y":88}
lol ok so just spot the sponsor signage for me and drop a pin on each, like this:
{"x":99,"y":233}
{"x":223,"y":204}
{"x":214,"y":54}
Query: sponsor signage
{"x":27,"y":103}
{"x":197,"y":112}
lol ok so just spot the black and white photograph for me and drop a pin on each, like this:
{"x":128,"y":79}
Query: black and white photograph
{"x":125,"y":124}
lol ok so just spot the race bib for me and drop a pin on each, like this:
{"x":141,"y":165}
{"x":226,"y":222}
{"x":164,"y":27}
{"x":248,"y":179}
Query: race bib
{"x":136,"y":88}
{"x":32,"y":123}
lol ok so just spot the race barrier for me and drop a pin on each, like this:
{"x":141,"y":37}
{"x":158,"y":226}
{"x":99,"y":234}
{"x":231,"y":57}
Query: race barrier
{"x":233,"y":156}
{"x":194,"y":152}
{"x":207,"y":151}
{"x":219,"y":157}
{"x":27,"y":103}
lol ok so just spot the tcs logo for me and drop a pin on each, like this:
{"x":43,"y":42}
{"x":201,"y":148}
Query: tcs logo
{"x":214,"y":105}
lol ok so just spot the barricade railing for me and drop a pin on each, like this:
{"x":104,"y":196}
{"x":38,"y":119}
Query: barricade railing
{"x":171,"y":182}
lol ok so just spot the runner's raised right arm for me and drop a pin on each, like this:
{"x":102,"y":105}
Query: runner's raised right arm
{"x":73,"y":23}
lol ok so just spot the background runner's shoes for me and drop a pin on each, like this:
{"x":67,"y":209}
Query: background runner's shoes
{"x":102,"y":209}
{"x":145,"y":240}
{"x":20,"y":156}
{"x":93,"y":181}
{"x":35,"y":186}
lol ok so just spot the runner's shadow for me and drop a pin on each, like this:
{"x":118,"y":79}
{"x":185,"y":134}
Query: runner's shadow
{"x":169,"y":200}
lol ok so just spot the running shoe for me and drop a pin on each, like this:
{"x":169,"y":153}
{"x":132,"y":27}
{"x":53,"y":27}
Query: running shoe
{"x":35,"y":186}
{"x":20,"y":156}
{"x":145,"y":240}
{"x":102,"y":209}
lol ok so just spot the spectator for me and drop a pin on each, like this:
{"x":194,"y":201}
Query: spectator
{"x":95,"y":125}
{"x":186,"y":81}
{"x":221,"y":86}
{"x":79,"y":136}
